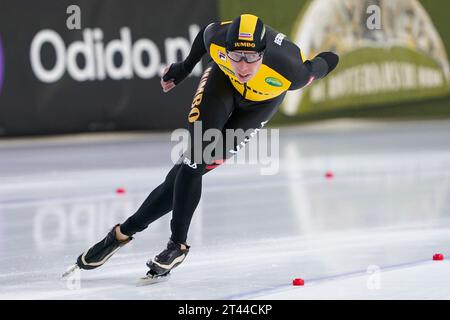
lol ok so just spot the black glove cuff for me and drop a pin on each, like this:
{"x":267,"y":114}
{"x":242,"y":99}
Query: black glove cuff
{"x":177,"y":72}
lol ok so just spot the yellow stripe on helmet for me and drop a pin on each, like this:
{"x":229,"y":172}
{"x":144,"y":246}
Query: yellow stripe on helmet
{"x":247,"y":27}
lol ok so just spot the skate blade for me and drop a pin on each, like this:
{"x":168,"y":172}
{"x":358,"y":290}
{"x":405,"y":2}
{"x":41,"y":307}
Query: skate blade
{"x":70,"y":271}
{"x":149,"y":279}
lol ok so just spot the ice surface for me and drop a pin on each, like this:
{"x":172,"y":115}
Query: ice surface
{"x":368,"y":233}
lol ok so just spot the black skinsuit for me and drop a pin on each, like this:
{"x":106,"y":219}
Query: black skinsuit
{"x":222,"y":102}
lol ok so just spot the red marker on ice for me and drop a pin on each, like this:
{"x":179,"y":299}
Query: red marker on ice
{"x":438,"y":257}
{"x":120,"y":191}
{"x":329,"y":175}
{"x":298,"y":282}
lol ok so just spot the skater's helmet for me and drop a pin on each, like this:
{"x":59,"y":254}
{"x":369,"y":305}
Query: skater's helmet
{"x":246,"y":32}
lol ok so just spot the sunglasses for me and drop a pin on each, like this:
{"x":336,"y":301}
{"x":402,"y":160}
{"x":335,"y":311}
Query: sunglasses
{"x":247,"y":57}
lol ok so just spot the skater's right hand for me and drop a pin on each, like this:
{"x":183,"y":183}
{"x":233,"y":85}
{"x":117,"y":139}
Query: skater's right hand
{"x":166,"y":85}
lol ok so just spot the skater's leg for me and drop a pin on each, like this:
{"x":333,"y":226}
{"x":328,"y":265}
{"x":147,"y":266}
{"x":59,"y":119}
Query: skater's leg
{"x":157,"y":204}
{"x":187,"y":193}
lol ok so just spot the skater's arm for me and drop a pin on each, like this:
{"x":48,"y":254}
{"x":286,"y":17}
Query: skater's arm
{"x":197,"y":51}
{"x":313,"y":69}
{"x":178,"y":71}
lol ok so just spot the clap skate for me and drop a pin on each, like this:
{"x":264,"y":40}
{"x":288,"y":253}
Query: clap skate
{"x":98,"y":254}
{"x":161,"y":265}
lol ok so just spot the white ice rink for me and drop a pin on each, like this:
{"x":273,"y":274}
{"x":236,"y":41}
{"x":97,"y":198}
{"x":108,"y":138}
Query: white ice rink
{"x":368,"y":233}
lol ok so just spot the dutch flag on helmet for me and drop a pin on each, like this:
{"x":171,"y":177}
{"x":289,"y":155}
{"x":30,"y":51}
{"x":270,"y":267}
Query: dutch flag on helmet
{"x":243,"y":35}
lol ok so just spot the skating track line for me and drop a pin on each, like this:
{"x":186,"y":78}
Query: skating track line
{"x":313,"y":281}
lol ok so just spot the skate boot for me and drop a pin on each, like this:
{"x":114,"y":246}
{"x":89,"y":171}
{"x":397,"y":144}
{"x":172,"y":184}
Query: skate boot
{"x":161,"y":265}
{"x":99,"y":253}
{"x":170,"y":258}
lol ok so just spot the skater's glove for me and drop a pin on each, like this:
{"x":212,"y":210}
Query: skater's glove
{"x":176,"y":73}
{"x":331,"y":59}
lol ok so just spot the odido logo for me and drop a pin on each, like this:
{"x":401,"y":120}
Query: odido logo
{"x":139,"y":57}
{"x":2,"y":68}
